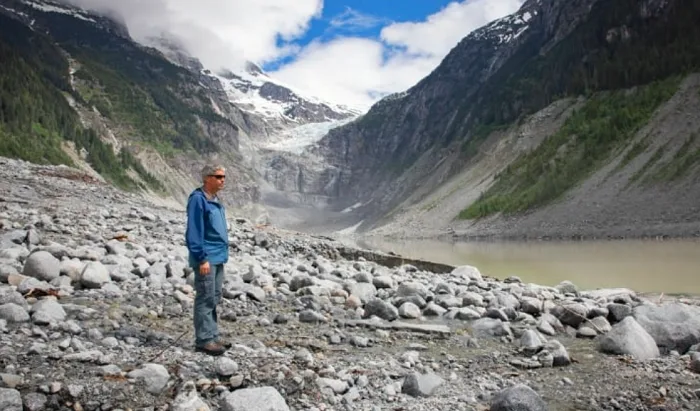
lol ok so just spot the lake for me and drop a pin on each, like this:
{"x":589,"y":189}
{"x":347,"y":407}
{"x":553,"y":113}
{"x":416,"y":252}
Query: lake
{"x":646,"y":266}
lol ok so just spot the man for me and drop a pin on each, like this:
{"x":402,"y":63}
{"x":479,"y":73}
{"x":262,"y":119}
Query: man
{"x":207,"y":241}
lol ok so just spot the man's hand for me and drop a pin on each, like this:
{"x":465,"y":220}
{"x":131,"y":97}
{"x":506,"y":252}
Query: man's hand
{"x":204,"y":268}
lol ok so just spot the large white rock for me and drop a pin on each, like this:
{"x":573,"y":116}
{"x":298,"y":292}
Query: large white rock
{"x":254,"y":399}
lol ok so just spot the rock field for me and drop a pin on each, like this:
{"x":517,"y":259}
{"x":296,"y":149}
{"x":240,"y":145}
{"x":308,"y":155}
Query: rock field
{"x":96,"y":314}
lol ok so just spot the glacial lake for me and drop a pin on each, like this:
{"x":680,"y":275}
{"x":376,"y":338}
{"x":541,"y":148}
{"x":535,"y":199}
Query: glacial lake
{"x":645,"y":266}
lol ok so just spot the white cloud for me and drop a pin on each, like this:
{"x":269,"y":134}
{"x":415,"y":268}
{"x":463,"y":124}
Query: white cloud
{"x":353,"y":70}
{"x":344,"y":69}
{"x":351,"y":19}
{"x":440,"y":32}
{"x":219,"y":32}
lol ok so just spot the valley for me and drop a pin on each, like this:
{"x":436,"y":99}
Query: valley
{"x":518,"y":151}
{"x":423,"y":253}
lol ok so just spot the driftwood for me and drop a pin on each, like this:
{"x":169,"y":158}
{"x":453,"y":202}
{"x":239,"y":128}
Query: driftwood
{"x":168,"y":347}
{"x":38,"y":292}
{"x":582,"y":317}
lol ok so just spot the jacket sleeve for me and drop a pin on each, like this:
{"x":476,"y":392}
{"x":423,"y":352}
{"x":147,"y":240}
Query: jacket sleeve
{"x":195,"y":229}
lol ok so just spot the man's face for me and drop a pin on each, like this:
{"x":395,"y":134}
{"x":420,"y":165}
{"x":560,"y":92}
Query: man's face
{"x":215,"y":182}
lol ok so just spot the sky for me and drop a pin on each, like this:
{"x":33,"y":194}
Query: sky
{"x":344,"y":51}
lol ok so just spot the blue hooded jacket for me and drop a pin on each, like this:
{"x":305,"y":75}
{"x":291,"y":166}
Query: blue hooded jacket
{"x":207,"y":232}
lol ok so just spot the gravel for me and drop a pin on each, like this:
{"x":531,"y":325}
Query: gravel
{"x":96,"y":314}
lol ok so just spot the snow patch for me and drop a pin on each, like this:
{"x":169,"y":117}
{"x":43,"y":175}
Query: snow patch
{"x":243,"y":89}
{"x":54,"y":8}
{"x":351,"y":208}
{"x":216,"y":107}
{"x":505,"y":29}
{"x":13,"y":11}
{"x":350,"y":230}
{"x":296,"y":139}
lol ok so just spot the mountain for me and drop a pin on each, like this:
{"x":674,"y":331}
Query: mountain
{"x":522,"y":113}
{"x":144,"y":116}
{"x":254,"y":91}
{"x":565,"y":118}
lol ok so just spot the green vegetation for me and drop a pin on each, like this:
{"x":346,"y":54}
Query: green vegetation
{"x":586,"y":140}
{"x":648,"y":165}
{"x":155,"y":101}
{"x":681,"y":163}
{"x":35,"y":117}
{"x":470,"y":148}
{"x":167,"y":127}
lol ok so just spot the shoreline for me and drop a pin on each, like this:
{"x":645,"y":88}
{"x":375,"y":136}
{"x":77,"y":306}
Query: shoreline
{"x":617,"y":260}
{"x":453,"y":237}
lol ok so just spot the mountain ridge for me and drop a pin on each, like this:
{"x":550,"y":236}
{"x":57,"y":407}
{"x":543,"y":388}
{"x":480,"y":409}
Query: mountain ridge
{"x":486,"y":85}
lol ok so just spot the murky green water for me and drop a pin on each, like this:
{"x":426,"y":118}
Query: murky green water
{"x":671,"y":267}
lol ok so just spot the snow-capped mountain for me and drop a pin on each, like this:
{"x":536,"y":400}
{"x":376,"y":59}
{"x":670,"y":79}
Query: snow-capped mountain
{"x":255,"y":92}
{"x":281,"y":107}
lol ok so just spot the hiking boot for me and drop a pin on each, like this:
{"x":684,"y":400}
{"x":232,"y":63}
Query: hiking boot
{"x":224,"y":343}
{"x":211,"y":348}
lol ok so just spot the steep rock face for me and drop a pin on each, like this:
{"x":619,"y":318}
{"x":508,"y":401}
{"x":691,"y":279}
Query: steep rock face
{"x":500,"y":73}
{"x":647,"y":188}
{"x":416,"y":128}
{"x":288,"y":174}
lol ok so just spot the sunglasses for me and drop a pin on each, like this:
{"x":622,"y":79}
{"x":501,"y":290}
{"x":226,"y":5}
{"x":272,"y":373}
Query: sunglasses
{"x":217,"y":176}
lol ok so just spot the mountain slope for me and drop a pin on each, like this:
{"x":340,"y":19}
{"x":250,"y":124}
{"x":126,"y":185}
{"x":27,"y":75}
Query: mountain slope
{"x":132,"y":102}
{"x":143,"y":116}
{"x":34,"y":109}
{"x":650,"y":187}
{"x":493,"y":80}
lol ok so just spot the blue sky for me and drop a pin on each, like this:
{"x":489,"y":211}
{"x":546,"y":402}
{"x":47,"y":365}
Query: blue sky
{"x":358,"y":51}
{"x":362,"y":18}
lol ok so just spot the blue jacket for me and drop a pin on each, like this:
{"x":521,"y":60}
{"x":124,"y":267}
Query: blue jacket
{"x":207,"y":232}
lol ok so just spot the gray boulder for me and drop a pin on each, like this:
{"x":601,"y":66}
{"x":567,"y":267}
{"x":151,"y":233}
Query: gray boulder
{"x":421,"y":385}
{"x":42,"y":266}
{"x":673,"y":326}
{"x":629,"y":338}
{"x":518,"y":398}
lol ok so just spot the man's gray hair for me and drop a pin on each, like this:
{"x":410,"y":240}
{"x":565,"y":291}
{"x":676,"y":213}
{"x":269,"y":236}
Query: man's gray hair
{"x":210,"y":169}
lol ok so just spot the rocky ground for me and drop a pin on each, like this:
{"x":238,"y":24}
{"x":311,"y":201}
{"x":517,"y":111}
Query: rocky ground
{"x":96,"y":314}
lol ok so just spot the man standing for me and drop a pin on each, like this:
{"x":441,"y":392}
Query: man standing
{"x":207,"y":241}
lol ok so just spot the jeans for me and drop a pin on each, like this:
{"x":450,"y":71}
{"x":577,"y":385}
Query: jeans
{"x":208,"y":295}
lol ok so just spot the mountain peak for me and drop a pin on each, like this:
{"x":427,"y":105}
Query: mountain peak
{"x":253,"y":68}
{"x":254,"y":91}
